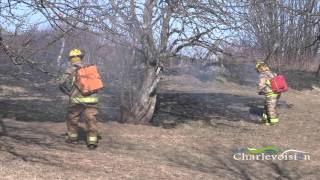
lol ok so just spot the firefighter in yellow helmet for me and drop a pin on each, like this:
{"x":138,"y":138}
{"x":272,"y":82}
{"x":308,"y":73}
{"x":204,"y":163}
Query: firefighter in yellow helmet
{"x":270,"y":115}
{"x":79,"y":104}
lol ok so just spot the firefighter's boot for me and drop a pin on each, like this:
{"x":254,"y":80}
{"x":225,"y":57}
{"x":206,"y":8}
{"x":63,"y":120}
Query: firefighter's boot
{"x":274,"y":121}
{"x":264,"y":119}
{"x":92,"y":142}
{"x":72,"y":138}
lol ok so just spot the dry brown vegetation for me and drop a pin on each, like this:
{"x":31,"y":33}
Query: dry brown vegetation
{"x":213,"y":119}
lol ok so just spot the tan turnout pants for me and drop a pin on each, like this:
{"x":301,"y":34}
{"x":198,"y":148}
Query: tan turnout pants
{"x":89,"y":112}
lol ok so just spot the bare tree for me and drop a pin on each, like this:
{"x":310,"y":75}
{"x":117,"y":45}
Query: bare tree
{"x":153,"y":31}
{"x":156,"y":29}
{"x":293,"y":24}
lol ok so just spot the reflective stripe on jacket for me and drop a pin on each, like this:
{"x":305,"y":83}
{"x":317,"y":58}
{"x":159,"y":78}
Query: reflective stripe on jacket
{"x":272,"y":94}
{"x":86,"y":99}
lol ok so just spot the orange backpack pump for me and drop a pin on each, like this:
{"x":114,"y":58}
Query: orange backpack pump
{"x":88,"y":79}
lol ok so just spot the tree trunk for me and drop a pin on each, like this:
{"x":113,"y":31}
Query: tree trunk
{"x":142,"y":111}
{"x":318,"y":71}
{"x":61,"y":51}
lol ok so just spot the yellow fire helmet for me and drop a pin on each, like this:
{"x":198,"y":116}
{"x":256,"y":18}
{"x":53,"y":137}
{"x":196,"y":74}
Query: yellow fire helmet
{"x":75,"y":55}
{"x":75,"y":52}
{"x":261,"y":66}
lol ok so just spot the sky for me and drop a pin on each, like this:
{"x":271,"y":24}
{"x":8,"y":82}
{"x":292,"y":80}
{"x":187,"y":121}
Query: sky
{"x":24,"y":18}
{"x":28,"y":18}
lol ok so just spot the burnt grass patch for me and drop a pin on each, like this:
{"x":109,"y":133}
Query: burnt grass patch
{"x":186,"y":107}
{"x":300,"y":80}
{"x":54,"y":110}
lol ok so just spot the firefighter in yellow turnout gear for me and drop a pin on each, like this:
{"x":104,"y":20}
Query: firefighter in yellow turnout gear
{"x":79,"y":104}
{"x":270,"y":115}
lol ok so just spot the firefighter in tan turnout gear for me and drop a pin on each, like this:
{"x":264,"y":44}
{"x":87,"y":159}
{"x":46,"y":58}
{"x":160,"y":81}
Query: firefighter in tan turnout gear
{"x":79,"y":104}
{"x":270,"y":115}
